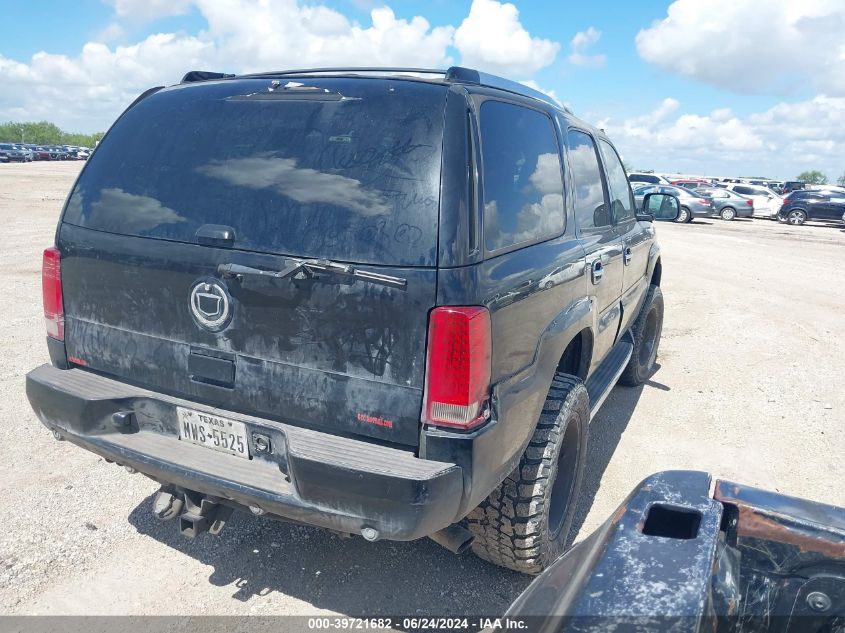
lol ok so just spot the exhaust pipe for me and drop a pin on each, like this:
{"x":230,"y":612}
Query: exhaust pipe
{"x":455,"y":538}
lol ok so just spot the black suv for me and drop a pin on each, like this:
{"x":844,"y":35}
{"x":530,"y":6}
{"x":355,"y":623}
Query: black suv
{"x":379,"y":303}
{"x":808,"y":204}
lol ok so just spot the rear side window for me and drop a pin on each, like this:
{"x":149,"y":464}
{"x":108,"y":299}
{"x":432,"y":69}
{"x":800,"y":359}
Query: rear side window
{"x":621,"y":201}
{"x":745,"y":191}
{"x":523,"y":185}
{"x":348,"y":171}
{"x":591,"y":210}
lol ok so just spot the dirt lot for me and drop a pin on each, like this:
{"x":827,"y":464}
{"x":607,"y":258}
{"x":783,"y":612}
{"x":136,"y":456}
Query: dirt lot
{"x":750,"y":387}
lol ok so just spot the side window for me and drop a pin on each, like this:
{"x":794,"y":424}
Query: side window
{"x":621,"y":202}
{"x":591,"y":210}
{"x":522,"y":179}
{"x":745,"y":191}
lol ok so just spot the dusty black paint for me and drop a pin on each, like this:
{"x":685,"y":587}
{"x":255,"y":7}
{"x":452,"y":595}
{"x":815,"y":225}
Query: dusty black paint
{"x":316,"y":352}
{"x":756,"y":559}
{"x":334,"y":354}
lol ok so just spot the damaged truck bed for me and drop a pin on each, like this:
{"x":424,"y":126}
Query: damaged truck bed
{"x":674,"y":558}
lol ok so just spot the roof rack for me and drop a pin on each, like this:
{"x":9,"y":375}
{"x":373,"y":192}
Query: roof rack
{"x":470,"y":75}
{"x":457,"y":74}
{"x":350,"y":69}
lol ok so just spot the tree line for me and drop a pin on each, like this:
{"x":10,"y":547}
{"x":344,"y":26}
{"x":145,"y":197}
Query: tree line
{"x":816,"y":177}
{"x":45,"y":133}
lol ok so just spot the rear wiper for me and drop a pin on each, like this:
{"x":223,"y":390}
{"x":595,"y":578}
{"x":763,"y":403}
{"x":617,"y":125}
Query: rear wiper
{"x":313,"y":266}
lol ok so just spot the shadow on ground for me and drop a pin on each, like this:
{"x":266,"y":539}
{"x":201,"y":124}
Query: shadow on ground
{"x":606,"y":431}
{"x":259,"y":556}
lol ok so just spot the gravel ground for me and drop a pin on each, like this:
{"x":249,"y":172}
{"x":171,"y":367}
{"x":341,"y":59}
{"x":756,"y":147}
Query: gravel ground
{"x":749,"y":388}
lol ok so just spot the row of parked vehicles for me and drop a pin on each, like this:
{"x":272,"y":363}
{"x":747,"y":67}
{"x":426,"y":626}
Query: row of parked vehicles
{"x":28,"y":152}
{"x":792,"y":202}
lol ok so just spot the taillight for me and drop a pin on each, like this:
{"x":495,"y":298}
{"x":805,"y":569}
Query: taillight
{"x":457,"y":381}
{"x":750,"y":203}
{"x":51,"y":289}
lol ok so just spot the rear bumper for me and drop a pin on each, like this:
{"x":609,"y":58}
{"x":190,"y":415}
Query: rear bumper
{"x":310,"y":477}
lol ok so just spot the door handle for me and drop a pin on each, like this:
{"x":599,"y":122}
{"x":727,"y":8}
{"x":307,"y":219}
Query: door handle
{"x":627,"y":255}
{"x":596,"y":271}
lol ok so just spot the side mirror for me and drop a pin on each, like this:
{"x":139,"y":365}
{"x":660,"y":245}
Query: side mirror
{"x":663,"y":207}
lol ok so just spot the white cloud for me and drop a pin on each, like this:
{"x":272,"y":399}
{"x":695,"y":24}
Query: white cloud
{"x":268,"y":36}
{"x":535,"y":86}
{"x":492,"y":38}
{"x":778,"y":142}
{"x":88,"y":91}
{"x":112,"y":32}
{"x":752,"y":46}
{"x":581,"y":44}
{"x":147,"y":10}
{"x":85,"y":92}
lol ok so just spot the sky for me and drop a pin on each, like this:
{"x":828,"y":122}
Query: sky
{"x":710,"y":87}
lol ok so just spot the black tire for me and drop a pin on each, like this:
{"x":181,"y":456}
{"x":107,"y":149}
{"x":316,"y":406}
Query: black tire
{"x":524,"y":524}
{"x":684,"y":216}
{"x":646,"y":331}
{"x":690,"y":217}
{"x":728,"y":213}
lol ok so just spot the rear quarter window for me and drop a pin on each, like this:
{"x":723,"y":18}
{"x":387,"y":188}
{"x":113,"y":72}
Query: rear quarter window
{"x":521,"y":176}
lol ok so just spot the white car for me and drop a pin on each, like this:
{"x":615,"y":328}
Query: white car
{"x":637,"y":179}
{"x":766,"y":202}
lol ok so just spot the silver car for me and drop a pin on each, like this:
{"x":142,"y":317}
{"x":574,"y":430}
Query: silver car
{"x":693,"y":205}
{"x":12,"y":152}
{"x":728,"y":204}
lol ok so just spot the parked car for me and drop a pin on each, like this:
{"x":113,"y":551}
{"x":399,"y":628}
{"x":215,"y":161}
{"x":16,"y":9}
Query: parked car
{"x":4,"y":157}
{"x":341,"y":326}
{"x":804,"y":205}
{"x":14,"y":154}
{"x":636,"y":178}
{"x":728,"y":204}
{"x":27,"y":153}
{"x":690,"y":183}
{"x":693,"y":205}
{"x":56,"y":152}
{"x":41,"y":153}
{"x":792,"y":185}
{"x":766,"y":202}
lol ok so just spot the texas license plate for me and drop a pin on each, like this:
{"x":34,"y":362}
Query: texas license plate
{"x":212,"y":431}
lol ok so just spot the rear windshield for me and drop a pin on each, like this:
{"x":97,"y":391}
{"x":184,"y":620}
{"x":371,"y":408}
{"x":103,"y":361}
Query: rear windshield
{"x":352,"y":174}
{"x":642,"y":178}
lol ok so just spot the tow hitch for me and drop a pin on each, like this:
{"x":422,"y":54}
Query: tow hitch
{"x":197,"y":513}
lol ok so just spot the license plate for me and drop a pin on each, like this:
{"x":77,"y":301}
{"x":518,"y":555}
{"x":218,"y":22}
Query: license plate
{"x":212,"y":431}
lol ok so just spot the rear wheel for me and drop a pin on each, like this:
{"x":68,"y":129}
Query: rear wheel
{"x":796,"y":217}
{"x":728,"y":213}
{"x":646,"y":331}
{"x":684,"y":216}
{"x":524,"y":524}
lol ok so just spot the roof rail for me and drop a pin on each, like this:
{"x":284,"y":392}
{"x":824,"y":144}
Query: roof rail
{"x":203,"y":75}
{"x":350,"y":69}
{"x":455,"y":73}
{"x":470,"y":75}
